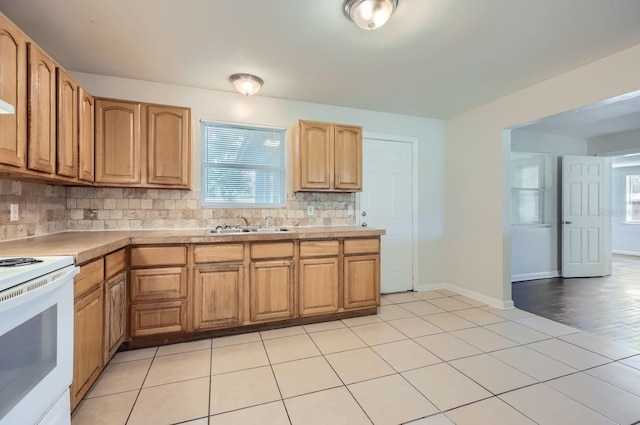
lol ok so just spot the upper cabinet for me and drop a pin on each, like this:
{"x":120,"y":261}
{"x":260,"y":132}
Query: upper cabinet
{"x":67,"y":146}
{"x":117,"y":141}
{"x":162,"y":161}
{"x":168,"y":145}
{"x":13,"y":90}
{"x":327,"y":157}
{"x":86,"y":135}
{"x":41,"y":151}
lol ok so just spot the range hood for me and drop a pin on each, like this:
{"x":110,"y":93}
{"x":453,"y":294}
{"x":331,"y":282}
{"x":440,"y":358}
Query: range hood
{"x":6,"y":108}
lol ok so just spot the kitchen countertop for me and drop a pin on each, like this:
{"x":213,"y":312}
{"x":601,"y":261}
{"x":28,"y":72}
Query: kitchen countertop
{"x":85,"y":246}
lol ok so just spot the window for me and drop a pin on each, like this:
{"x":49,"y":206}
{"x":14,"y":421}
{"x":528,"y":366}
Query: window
{"x":242,"y":165}
{"x":633,"y":199}
{"x":529,"y":176}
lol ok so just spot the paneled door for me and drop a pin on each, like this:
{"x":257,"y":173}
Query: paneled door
{"x":586,"y":246}
{"x":386,"y":202}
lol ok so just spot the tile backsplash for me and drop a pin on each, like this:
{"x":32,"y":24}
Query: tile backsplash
{"x":48,"y":209}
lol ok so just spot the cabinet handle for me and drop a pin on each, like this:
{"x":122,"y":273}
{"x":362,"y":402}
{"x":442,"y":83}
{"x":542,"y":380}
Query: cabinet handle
{"x":363,"y":224}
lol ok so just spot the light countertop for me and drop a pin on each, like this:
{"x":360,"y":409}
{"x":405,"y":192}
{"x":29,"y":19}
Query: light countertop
{"x":87,"y":245}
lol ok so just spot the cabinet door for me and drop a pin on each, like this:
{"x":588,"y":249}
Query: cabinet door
{"x":158,"y":284}
{"x":218,"y":296}
{"x":41,"y":154}
{"x":158,"y":318}
{"x":86,"y":135}
{"x":316,"y":155}
{"x":318,"y":286}
{"x":271,"y":290}
{"x":13,"y":90}
{"x":361,"y":281}
{"x":67,"y":126}
{"x":168,"y":145}
{"x":348,"y":158}
{"x":117,"y":142}
{"x":87,"y":343}
{"x":115,"y":306}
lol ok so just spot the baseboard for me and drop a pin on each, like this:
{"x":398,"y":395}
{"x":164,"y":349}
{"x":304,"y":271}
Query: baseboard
{"x":633,"y":253}
{"x":534,"y":276}
{"x":493,"y":302}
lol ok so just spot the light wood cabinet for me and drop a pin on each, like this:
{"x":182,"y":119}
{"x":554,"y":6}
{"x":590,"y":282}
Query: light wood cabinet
{"x":271,"y":288}
{"x":218,"y":297}
{"x":13,"y":90}
{"x":318,"y":286}
{"x":117,"y":142}
{"x":361,"y":281}
{"x":86,"y":135}
{"x":41,"y":145}
{"x":67,"y":125}
{"x":168,"y":145}
{"x":115,"y":313}
{"x":327,"y":157}
{"x":88,"y":355}
{"x":158,"y":284}
{"x":158,"y":318}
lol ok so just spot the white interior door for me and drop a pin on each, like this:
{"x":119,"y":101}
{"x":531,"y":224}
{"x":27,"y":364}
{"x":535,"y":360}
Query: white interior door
{"x":386,"y":202}
{"x":584,"y":235}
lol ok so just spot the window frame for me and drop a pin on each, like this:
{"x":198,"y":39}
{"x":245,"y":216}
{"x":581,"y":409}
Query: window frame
{"x":629,"y":202}
{"x":543,"y":190}
{"x":204,"y":166}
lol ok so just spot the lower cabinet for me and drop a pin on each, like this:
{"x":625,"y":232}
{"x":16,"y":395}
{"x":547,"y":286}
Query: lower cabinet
{"x":271,"y":287}
{"x":115,"y":313}
{"x":217,"y":296}
{"x":318,"y":286}
{"x":158,"y":318}
{"x":361,"y":281}
{"x":88,"y":354}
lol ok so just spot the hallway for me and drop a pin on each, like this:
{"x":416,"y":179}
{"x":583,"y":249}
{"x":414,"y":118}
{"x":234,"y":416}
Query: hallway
{"x":607,"y":306}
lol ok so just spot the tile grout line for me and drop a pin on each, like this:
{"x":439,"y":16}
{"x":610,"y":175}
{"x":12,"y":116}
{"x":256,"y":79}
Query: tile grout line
{"x":273,"y":373}
{"x":133,"y":406}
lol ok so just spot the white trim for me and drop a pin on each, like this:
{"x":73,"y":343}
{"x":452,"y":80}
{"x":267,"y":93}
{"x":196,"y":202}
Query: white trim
{"x":492,"y":302}
{"x":619,"y":251}
{"x":534,"y":276}
{"x":416,"y":194}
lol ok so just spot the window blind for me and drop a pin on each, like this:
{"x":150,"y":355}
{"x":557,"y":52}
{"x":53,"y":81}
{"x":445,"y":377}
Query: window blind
{"x":242,"y":165}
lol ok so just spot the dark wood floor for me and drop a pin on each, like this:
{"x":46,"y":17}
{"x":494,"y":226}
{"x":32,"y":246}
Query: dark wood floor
{"x":607,"y":306}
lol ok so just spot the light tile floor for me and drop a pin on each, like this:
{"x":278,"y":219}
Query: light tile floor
{"x":427,"y":358}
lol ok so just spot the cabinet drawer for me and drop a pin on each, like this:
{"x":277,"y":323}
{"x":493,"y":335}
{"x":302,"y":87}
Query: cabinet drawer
{"x":319,"y":248}
{"x":272,"y":250}
{"x":158,"y":284}
{"x":91,"y":274}
{"x":158,"y":256}
{"x":361,"y":246}
{"x":223,"y":253}
{"x":115,"y":262}
{"x":158,"y":318}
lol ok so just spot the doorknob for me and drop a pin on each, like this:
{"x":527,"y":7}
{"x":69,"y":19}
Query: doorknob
{"x":364,"y":213}
{"x":363,"y":224}
{"x":566,"y":222}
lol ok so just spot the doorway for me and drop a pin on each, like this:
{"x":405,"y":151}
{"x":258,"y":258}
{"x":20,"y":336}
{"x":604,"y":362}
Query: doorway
{"x":388,"y":201}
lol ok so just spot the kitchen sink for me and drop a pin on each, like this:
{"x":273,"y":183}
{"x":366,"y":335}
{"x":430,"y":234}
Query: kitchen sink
{"x":242,"y":230}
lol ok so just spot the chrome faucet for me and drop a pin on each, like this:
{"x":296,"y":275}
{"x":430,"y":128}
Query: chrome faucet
{"x":266,"y":221}
{"x":246,"y":222}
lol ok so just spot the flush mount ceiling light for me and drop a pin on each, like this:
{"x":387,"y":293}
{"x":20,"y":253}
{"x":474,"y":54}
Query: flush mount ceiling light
{"x":6,"y":108}
{"x":246,"y":84}
{"x":370,"y":14}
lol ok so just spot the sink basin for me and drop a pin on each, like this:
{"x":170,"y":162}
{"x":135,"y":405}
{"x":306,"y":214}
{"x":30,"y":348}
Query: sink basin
{"x":246,"y":230}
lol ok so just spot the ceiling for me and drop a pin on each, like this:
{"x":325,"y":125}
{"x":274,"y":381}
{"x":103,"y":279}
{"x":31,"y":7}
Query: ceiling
{"x":608,"y":117}
{"x":434,"y":58}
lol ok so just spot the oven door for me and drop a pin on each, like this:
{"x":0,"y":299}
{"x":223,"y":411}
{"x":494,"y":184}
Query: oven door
{"x":36,"y":348}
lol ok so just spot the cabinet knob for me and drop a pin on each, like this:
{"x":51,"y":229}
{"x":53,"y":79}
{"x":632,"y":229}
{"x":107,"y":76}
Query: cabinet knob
{"x":364,"y":213}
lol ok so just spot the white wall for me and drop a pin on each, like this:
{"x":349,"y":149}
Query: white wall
{"x":625,"y":237}
{"x":535,"y":249}
{"x":477,"y":229}
{"x":612,"y":144}
{"x":223,"y":106}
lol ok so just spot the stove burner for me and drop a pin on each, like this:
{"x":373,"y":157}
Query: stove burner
{"x":23,"y":261}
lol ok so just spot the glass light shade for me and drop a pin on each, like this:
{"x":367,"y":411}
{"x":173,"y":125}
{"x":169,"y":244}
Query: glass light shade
{"x":370,"y":14}
{"x":246,"y":84}
{"x":6,"y":108}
